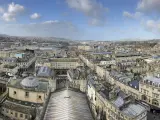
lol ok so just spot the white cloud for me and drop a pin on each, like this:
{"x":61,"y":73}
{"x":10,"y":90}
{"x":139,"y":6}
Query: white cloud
{"x":35,"y":16}
{"x":149,"y":9}
{"x":127,"y":14}
{"x":13,"y":11}
{"x":135,"y":15}
{"x":8,"y":17}
{"x":15,"y":8}
{"x":53,"y":28}
{"x":1,"y":10}
{"x":152,"y":25}
{"x":91,"y":8}
{"x":149,"y":6}
{"x":50,"y":22}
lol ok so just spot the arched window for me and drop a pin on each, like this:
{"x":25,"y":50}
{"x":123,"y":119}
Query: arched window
{"x":155,"y":102}
{"x":144,"y":97}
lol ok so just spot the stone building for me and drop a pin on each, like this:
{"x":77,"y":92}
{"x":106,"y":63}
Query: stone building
{"x":149,"y":86}
{"x":25,"y":97}
{"x":78,"y":78}
{"x":110,"y":103}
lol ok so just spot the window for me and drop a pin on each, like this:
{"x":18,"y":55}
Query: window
{"x":39,"y":97}
{"x":153,"y":84}
{"x":26,"y":116}
{"x":27,"y":94}
{"x":155,"y":95}
{"x":16,"y":114}
{"x":21,"y":115}
{"x":14,"y":93}
{"x":11,"y":112}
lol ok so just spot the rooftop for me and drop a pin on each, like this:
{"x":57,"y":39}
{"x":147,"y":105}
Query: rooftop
{"x":134,"y":84}
{"x":44,"y":72}
{"x":9,"y":66}
{"x":133,"y":110}
{"x":101,"y":53}
{"x":119,"y":99}
{"x":122,"y":77}
{"x":64,"y":60}
{"x":78,"y":73}
{"x":68,"y":105}
{"x":15,"y":105}
{"x":153,"y":79}
{"x":29,"y":83}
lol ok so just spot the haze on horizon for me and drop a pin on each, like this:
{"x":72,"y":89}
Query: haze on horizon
{"x":81,"y":19}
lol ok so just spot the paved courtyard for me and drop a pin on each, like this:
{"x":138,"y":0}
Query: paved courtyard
{"x":68,"y":105}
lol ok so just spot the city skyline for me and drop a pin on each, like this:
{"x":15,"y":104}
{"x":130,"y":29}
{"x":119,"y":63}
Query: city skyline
{"x":81,"y":19}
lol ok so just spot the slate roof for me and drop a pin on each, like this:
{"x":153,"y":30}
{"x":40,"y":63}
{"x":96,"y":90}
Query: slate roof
{"x":133,"y":110}
{"x":153,"y":79}
{"x":134,"y":84}
{"x":14,"y":105}
{"x":44,"y":71}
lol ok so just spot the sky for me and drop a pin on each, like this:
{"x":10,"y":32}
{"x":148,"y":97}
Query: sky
{"x":81,"y":19}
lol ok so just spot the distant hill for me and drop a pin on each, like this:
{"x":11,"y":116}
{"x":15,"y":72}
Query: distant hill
{"x":8,"y":38}
{"x":3,"y":35}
